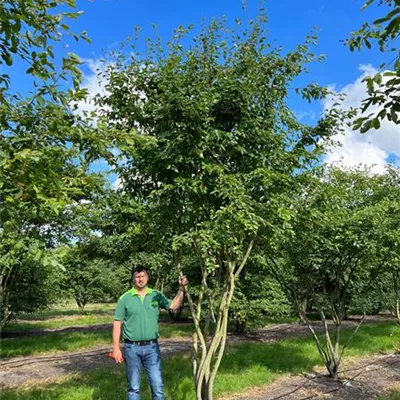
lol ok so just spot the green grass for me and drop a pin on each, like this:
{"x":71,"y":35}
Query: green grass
{"x":62,"y":316}
{"x":70,"y":309}
{"x":244,"y":366}
{"x":394,"y":394}
{"x":53,"y":343}
{"x":65,"y":316}
{"x":175,"y":330}
{"x":56,"y":323}
{"x":72,"y":341}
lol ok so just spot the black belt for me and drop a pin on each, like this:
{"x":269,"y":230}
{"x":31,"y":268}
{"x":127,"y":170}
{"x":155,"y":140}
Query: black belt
{"x":140,"y":342}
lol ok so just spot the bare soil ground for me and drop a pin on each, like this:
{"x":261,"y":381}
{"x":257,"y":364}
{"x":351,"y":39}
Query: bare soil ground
{"x":23,"y":370}
{"x":362,"y":379}
{"x":43,"y":332}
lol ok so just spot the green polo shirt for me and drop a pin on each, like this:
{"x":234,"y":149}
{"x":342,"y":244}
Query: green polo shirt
{"x":140,"y":315}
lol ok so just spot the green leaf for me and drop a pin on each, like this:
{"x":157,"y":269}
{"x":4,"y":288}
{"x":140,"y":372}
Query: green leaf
{"x":382,"y":113}
{"x":37,"y":255}
{"x":389,"y":16}
{"x":393,"y":26}
{"x":367,"y":4}
{"x":378,"y":78}
{"x":366,"y":127}
{"x":7,"y":58}
{"x":375,"y":123}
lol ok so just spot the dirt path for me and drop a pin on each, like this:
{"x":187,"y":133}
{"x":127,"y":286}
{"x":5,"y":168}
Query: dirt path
{"x":21,"y":370}
{"x":17,"y":370}
{"x":363,"y":379}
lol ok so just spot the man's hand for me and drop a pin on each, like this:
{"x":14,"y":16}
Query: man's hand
{"x":117,"y":355}
{"x":183,"y":282}
{"x":177,"y":301}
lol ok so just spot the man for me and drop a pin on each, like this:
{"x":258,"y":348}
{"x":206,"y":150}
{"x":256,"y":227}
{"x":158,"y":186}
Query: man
{"x":137,"y":314}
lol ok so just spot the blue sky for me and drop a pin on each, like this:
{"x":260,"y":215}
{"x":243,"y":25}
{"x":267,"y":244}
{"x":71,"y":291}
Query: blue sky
{"x":109,"y":22}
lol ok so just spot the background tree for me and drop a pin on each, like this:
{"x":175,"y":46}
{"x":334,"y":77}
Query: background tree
{"x":389,"y":239}
{"x":118,"y":219}
{"x":45,"y":147}
{"x":258,"y":297}
{"x":384,"y":88}
{"x":89,"y":278}
{"x":211,"y":148}
{"x":28,"y":283}
{"x":334,"y":251}
{"x":29,"y":30}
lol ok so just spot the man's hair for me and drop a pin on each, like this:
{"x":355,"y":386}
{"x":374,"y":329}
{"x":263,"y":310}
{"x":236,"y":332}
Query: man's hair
{"x":140,"y":268}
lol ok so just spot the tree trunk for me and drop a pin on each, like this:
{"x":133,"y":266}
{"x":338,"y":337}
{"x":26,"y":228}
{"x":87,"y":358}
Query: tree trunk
{"x":330,"y":350}
{"x":81,"y":303}
{"x":5,"y":315}
{"x":6,"y":283}
{"x":302,"y":306}
{"x":210,"y":359}
{"x":162,"y":285}
{"x":396,"y":288}
{"x":208,"y":351}
{"x":333,"y":369}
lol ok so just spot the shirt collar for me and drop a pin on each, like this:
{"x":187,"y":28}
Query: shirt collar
{"x":135,"y":293}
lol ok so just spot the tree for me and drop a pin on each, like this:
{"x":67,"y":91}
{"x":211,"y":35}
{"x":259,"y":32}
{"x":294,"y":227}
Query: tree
{"x":38,"y":285}
{"x":29,"y":30}
{"x":118,"y":220}
{"x":211,"y":150}
{"x":384,"y":88}
{"x":45,"y":147}
{"x":389,"y":239}
{"x":89,"y":278}
{"x":257,"y":297}
{"x":334,"y":251}
{"x":28,"y":282}
{"x":94,"y":268}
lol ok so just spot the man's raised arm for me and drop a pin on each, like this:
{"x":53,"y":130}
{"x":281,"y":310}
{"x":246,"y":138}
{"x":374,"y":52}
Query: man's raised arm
{"x":178,"y":299}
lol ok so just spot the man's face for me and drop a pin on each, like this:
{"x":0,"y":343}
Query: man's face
{"x":140,"y":279}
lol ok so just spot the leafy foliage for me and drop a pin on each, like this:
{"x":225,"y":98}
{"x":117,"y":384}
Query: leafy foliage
{"x":45,"y":147}
{"x":29,"y":29}
{"x":257,"y":298}
{"x":211,"y":149}
{"x":389,"y":242}
{"x":335,"y":252}
{"x":29,"y":285}
{"x":384,"y":88}
{"x":90,"y":279}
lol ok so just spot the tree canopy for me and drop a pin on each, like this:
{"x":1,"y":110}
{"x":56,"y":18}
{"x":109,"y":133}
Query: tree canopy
{"x":383,"y":89}
{"x":211,"y":152}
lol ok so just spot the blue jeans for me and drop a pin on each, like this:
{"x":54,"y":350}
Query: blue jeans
{"x":149,"y":357}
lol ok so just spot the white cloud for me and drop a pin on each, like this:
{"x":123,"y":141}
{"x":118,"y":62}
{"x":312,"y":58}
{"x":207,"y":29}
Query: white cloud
{"x":373,"y":148}
{"x":118,"y":184}
{"x":94,"y":83}
{"x":306,"y":115}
